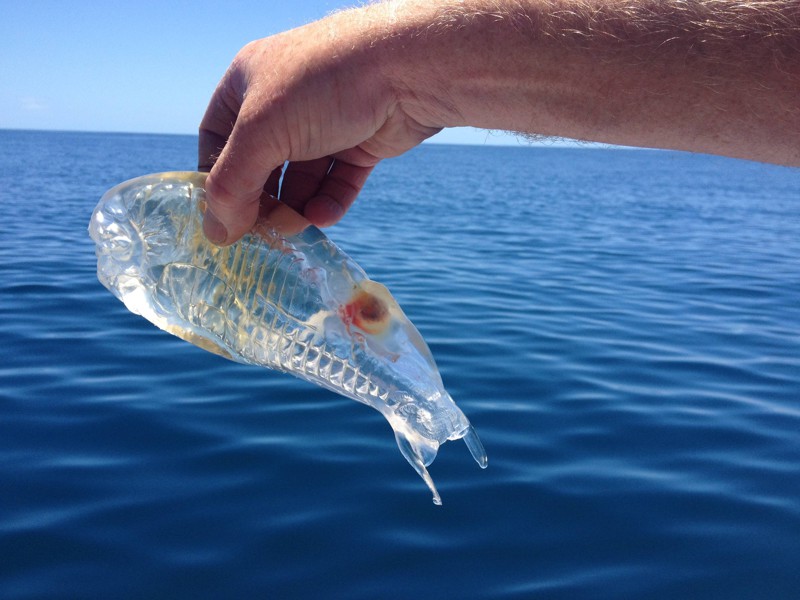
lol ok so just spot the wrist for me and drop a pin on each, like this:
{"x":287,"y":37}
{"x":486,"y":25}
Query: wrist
{"x":454,"y":63}
{"x":417,"y":60}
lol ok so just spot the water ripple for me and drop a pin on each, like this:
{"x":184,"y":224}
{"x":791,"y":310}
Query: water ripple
{"x":620,"y":326}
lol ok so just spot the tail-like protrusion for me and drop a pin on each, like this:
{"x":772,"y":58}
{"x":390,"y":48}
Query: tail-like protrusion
{"x":415,"y":459}
{"x":476,"y":448}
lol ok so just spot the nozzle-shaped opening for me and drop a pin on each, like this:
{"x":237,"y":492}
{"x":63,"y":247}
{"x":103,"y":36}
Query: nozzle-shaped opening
{"x":476,"y":448}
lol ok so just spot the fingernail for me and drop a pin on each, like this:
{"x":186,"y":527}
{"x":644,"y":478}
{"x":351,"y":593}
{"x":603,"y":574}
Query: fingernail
{"x":215,"y":231}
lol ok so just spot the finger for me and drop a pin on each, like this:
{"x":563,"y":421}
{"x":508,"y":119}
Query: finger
{"x":217,"y":124}
{"x":302,"y":180}
{"x":209,"y":146}
{"x":237,"y":179}
{"x":272,"y":186}
{"x":338,"y":191}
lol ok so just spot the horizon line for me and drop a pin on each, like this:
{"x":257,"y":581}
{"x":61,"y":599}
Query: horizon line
{"x":517,"y":142}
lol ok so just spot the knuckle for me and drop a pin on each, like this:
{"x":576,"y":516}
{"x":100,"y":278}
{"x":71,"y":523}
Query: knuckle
{"x":218,"y":194}
{"x":234,"y":208}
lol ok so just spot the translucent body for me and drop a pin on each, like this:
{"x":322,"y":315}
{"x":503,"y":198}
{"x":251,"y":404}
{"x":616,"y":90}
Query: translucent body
{"x":297,"y":304}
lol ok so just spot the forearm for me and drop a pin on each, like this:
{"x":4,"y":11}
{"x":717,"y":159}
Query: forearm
{"x":335,"y":97}
{"x":718,"y":76}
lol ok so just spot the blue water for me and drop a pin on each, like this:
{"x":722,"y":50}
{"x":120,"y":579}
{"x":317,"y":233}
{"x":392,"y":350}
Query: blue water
{"x":622,"y":328}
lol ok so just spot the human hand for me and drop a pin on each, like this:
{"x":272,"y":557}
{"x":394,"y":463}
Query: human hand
{"x":335,"y":97}
{"x":319,"y":99}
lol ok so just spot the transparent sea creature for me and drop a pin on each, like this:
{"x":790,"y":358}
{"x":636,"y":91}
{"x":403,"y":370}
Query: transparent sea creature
{"x":293,"y":303}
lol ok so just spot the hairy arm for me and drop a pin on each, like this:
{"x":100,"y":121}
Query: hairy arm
{"x":717,"y":76}
{"x":335,"y":97}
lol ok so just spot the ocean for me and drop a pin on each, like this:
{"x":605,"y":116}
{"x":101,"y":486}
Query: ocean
{"x":622,"y":327}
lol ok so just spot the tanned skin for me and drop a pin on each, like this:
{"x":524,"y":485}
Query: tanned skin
{"x":331,"y":99}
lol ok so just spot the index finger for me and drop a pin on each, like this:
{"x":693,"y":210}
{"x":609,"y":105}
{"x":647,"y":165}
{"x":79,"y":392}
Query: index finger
{"x":237,"y":178}
{"x":216,"y":126}
{"x":209,"y":147}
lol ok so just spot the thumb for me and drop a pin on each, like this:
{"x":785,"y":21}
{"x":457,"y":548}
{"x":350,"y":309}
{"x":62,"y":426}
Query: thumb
{"x":236,"y":181}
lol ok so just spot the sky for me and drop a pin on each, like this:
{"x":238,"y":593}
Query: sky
{"x":140,"y":66}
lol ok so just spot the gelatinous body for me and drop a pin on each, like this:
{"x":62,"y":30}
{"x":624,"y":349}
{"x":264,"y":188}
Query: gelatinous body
{"x":297,"y":304}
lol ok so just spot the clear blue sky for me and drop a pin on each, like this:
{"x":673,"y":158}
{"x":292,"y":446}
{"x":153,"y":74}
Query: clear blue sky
{"x":137,"y":66}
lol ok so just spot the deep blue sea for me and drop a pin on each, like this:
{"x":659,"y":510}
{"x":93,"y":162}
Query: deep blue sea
{"x":622,"y":327}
